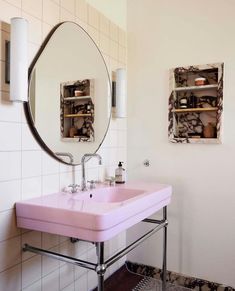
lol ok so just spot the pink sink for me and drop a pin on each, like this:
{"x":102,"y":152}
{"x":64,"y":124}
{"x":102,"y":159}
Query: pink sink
{"x":109,"y":194}
{"x":95,"y":215}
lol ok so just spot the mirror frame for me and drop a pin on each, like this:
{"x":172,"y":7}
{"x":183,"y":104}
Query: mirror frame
{"x":26,"y":104}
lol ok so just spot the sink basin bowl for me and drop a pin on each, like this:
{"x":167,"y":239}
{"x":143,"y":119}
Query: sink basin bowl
{"x":95,"y":215}
{"x":109,"y":194}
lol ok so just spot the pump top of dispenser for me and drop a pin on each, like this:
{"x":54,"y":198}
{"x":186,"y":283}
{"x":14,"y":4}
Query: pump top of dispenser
{"x":120,"y":164}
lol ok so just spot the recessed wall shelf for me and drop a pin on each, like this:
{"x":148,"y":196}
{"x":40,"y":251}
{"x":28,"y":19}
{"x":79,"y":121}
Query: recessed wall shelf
{"x":77,"y":110}
{"x":195,"y":108}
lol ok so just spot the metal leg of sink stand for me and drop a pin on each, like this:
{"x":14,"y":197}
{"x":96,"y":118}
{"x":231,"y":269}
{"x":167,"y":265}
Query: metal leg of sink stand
{"x":164,"y":250}
{"x":101,"y":267}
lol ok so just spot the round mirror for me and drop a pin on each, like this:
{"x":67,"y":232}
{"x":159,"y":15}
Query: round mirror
{"x":69,"y":105}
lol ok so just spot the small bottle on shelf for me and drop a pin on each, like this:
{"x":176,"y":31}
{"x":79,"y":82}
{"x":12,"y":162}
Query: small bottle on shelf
{"x":183,"y":103}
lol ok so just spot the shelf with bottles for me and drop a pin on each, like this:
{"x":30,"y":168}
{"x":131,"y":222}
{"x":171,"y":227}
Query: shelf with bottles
{"x":77,"y":110}
{"x":196,"y":104}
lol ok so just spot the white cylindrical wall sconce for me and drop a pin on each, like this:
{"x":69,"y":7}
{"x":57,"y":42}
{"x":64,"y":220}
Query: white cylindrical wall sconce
{"x":121,"y":96}
{"x":19,"y":60}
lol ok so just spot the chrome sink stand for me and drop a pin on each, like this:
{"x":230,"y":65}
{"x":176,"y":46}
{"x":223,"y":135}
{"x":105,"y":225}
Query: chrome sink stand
{"x":101,"y":266}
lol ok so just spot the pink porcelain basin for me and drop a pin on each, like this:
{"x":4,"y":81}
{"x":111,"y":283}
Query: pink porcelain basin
{"x":109,"y":194}
{"x":95,"y":215}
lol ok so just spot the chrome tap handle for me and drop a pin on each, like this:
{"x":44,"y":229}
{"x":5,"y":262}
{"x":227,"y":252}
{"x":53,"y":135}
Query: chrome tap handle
{"x":111,"y":180}
{"x":74,"y":188}
{"x":92,"y":184}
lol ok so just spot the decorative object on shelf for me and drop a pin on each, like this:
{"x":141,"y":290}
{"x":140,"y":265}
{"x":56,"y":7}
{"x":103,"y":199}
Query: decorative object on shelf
{"x":183,"y":102}
{"x":77,"y":110}
{"x":121,"y":96}
{"x":209,"y":130}
{"x":196,"y":104}
{"x":78,"y":93}
{"x":72,"y":131}
{"x":19,"y":60}
{"x":200,"y":81}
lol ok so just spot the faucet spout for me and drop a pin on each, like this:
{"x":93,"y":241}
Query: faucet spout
{"x":83,"y":184}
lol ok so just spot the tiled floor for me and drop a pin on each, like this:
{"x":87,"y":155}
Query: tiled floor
{"x":128,"y":281}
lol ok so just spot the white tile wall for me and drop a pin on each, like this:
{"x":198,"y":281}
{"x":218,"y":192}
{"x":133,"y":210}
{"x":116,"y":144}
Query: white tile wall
{"x":26,"y":171}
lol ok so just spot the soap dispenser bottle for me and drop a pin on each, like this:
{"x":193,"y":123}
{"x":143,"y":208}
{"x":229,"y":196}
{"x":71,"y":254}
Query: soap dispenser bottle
{"x":120,"y":174}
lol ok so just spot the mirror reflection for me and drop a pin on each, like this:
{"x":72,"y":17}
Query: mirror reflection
{"x":69,"y":94}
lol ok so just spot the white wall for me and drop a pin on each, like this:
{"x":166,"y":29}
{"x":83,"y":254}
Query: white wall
{"x":27,"y":171}
{"x":113,"y":9}
{"x":163,"y":34}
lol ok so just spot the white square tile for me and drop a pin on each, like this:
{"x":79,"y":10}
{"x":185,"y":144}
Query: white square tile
{"x":68,"y":5}
{"x":114,"y":50}
{"x":122,"y":54}
{"x":10,"y":192}
{"x":82,"y":10}
{"x":92,"y":174}
{"x":104,"y":25}
{"x":51,"y":282}
{"x":65,"y":15}
{"x":49,"y":240}
{"x":122,"y":37}
{"x":33,"y":238}
{"x":33,"y":50}
{"x":11,"y":279}
{"x":92,"y":280}
{"x":9,"y":111}
{"x":93,"y":17}
{"x":10,"y":253}
{"x":65,"y":168}
{"x":50,"y":184}
{"x":81,"y":23}
{"x":79,"y":271}
{"x":34,"y":28}
{"x":114,"y":31}
{"x":66,"y":247}
{"x":16,"y":3}
{"x":49,"y":165}
{"x":51,"y":12}
{"x":48,"y":264}
{"x":31,"y":187}
{"x":94,"y":33}
{"x":81,"y":283}
{"x":66,"y":275}
{"x":29,"y":143}
{"x":10,"y":138}
{"x":46,"y":28}
{"x":8,"y":226}
{"x":65,"y":180}
{"x":12,"y":162}
{"x":104,"y":44}
{"x":7,"y":11}
{"x":33,"y":7}
{"x":31,"y":163}
{"x":37,"y":286}
{"x":69,"y":288}
{"x":114,"y":138}
{"x":31,"y":271}
{"x":122,"y":138}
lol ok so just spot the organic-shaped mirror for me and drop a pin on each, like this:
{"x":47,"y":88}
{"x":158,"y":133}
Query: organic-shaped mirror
{"x":69,"y":94}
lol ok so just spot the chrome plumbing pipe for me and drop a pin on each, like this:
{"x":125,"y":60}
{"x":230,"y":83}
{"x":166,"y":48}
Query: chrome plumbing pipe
{"x":60,"y":257}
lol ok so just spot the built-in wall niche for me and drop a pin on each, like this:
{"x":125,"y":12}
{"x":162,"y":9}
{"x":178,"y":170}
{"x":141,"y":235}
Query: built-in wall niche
{"x":77,"y":110}
{"x":196,"y":104}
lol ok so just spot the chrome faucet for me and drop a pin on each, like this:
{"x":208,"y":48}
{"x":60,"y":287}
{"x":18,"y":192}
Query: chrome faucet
{"x":83,"y":184}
